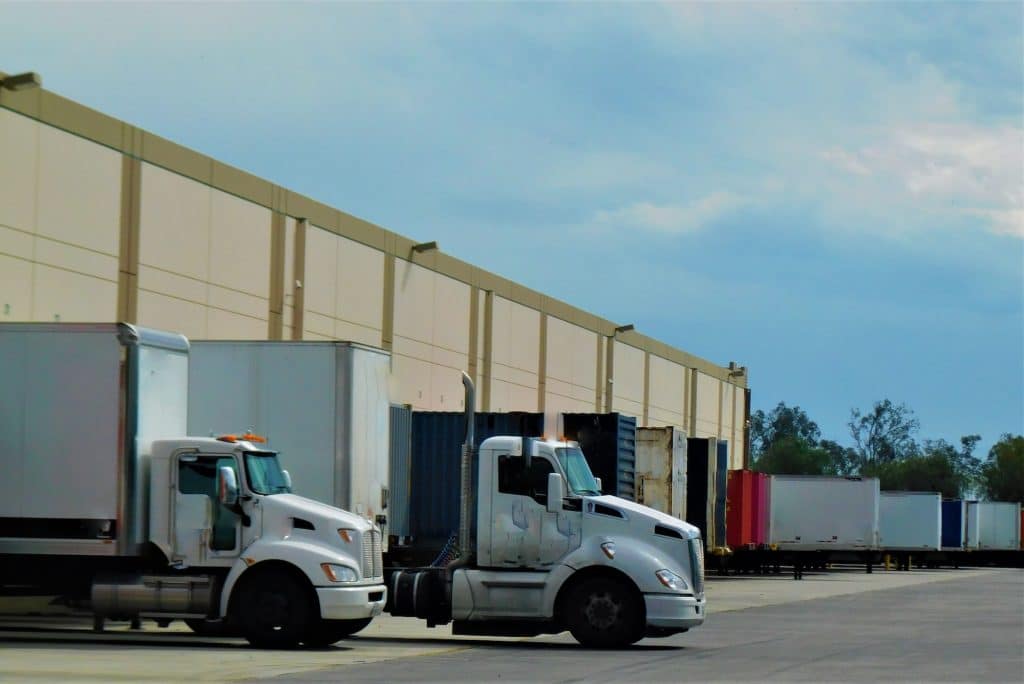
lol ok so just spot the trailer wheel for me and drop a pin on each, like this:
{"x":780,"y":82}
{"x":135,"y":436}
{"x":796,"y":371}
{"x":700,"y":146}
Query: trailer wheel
{"x":274,"y":610}
{"x":605,"y":613}
{"x":327,"y":632}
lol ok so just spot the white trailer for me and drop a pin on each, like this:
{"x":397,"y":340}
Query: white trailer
{"x":107,"y":504}
{"x":810,"y":513}
{"x":910,"y":521}
{"x":661,"y":469}
{"x":323,"y":406}
{"x":998,"y":526}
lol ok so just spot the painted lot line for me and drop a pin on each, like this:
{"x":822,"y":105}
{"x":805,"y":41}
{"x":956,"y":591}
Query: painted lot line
{"x":67,"y":651}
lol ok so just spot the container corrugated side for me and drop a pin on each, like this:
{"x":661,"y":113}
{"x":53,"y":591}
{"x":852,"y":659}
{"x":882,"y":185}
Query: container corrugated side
{"x":762,"y":508}
{"x":721,"y":491}
{"x":400,"y":476}
{"x":608,"y":441}
{"x":661,"y":469}
{"x":437,"y":438}
{"x":740,"y":509}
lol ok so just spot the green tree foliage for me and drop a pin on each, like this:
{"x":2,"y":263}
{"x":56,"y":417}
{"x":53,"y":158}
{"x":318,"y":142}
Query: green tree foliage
{"x":781,"y":422}
{"x":885,"y":433}
{"x":1002,"y":475}
{"x":844,"y":460}
{"x":791,"y":455}
{"x":940,"y":467}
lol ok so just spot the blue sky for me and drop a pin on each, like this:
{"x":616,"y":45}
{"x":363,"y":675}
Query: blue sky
{"x":831,"y":194}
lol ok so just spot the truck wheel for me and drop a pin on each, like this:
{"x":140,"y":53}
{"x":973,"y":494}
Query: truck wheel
{"x":274,"y":610}
{"x":327,"y":632}
{"x":605,"y":613}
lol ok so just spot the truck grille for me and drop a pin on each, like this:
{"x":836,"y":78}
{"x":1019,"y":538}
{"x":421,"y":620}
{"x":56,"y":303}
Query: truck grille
{"x":373,"y":565}
{"x":697,"y":565}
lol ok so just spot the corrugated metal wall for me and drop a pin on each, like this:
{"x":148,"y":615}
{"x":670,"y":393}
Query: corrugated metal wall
{"x":400,"y":450}
{"x":608,"y":440}
{"x":437,"y":438}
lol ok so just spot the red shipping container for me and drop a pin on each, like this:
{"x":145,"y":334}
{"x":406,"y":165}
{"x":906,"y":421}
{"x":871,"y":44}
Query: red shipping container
{"x":762,"y":510}
{"x":739,"y":509}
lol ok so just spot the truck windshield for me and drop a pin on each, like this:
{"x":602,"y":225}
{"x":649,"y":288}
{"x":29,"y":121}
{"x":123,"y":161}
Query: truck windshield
{"x":577,"y":472}
{"x":264,"y":473}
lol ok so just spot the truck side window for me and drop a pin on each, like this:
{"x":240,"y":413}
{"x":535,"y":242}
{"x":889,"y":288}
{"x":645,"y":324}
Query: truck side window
{"x":200,"y":477}
{"x":514,"y":478}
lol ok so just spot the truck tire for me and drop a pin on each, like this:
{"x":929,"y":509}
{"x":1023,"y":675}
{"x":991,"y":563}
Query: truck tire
{"x":327,"y":632}
{"x":273,"y":610}
{"x":605,"y":613}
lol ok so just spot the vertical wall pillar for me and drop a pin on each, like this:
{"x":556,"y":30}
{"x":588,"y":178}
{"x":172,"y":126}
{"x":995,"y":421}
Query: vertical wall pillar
{"x":693,"y":402}
{"x":485,"y":372}
{"x":128,"y":257}
{"x":275,"y":317}
{"x":299,"y":270}
{"x":542,"y":363}
{"x":609,"y":374}
{"x":721,"y":390}
{"x":647,"y":388}
{"x":474,"y":332}
{"x":599,"y":373}
{"x":387,"y":324}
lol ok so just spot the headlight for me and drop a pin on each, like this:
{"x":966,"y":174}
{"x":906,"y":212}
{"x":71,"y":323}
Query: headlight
{"x":339,"y":573}
{"x":672,"y":580}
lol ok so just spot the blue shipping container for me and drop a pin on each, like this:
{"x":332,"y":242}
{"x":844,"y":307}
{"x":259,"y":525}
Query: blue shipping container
{"x":608,"y":441}
{"x":400,"y":477}
{"x":437,"y":438}
{"x":953,"y":524}
{"x":721,"y":487}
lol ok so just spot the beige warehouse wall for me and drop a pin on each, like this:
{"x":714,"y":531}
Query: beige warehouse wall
{"x":707,"y":406}
{"x":515,"y":356}
{"x":738,"y":443}
{"x":204,"y":259}
{"x":217,"y":248}
{"x":343,"y":289}
{"x":666,"y":386}
{"x":60,"y":200}
{"x":571,"y":381}
{"x":628,"y":380}
{"x":431,"y":338}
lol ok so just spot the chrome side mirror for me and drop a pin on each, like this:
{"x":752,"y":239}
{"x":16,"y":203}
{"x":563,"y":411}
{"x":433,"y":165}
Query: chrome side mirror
{"x":227,"y":486}
{"x":287,"y":479}
{"x":600,"y":487}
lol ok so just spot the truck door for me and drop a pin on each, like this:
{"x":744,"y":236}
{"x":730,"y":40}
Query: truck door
{"x":524,"y":533}
{"x":203,"y":528}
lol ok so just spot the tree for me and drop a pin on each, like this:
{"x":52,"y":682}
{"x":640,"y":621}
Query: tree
{"x":791,"y":455}
{"x":783,"y":421}
{"x":885,"y":433}
{"x":939,"y":467}
{"x":844,"y":460}
{"x":1002,"y":475}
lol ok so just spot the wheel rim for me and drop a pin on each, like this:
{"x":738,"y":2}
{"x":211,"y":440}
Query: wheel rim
{"x":602,"y":610}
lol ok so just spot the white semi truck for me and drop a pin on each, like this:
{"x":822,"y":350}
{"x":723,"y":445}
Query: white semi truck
{"x":541,"y":550}
{"x":106,"y":505}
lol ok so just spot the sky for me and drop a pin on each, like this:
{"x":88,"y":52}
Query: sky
{"x":830,"y":194}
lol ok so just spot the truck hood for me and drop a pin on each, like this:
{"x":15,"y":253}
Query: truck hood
{"x":639,"y":510}
{"x":320,"y":514}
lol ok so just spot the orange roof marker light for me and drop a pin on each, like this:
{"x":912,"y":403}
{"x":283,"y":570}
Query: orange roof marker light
{"x":247,"y":437}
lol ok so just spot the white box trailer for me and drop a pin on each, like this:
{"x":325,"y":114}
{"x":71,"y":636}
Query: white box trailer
{"x":661,"y":469}
{"x":973,"y":522}
{"x":811,"y":513}
{"x":323,"y":406}
{"x":998,"y":526}
{"x":910,"y":521}
{"x":107,"y":504}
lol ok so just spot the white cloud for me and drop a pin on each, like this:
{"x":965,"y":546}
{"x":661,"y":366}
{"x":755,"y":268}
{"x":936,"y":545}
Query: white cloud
{"x":668,"y":219}
{"x":963,"y":168}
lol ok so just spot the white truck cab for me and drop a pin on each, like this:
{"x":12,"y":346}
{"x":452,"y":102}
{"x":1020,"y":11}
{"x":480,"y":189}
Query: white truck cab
{"x":230,"y":507}
{"x":552,"y":553}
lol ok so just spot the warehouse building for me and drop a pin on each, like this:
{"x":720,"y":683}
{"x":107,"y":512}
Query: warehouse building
{"x":101,"y":221}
